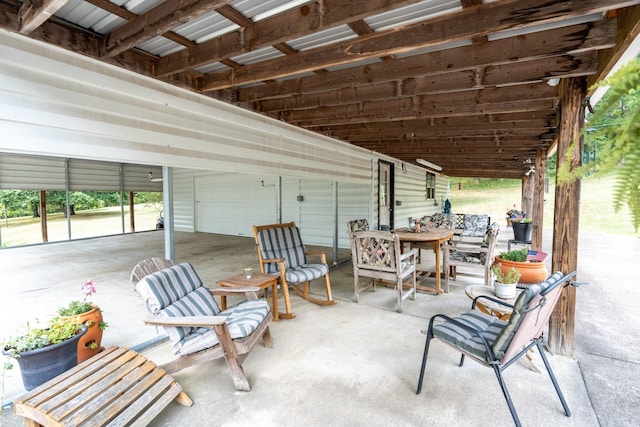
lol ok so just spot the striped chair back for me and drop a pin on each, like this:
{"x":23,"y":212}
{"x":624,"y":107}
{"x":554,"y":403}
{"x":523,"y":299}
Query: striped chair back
{"x":177,"y":291}
{"x":282,"y":242}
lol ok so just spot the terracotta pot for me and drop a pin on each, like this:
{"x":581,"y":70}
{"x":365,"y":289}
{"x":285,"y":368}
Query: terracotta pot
{"x":530,"y":272}
{"x":89,"y":344}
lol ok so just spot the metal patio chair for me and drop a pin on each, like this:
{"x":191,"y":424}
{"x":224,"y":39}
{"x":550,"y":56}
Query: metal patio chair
{"x":498,"y":344}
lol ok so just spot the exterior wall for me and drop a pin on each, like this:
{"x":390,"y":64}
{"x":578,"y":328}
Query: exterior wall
{"x":60,"y":104}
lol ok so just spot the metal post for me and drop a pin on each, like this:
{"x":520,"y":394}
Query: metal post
{"x":122,"y":197}
{"x":167,"y":201}
{"x":67,"y":185}
{"x":335,"y":222}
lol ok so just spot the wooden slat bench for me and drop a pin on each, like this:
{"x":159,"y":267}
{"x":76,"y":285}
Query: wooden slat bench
{"x":116,"y":387}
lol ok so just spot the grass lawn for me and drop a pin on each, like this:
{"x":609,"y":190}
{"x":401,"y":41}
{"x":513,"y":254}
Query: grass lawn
{"x":596,"y":213}
{"x":89,"y":223}
{"x":596,"y":205}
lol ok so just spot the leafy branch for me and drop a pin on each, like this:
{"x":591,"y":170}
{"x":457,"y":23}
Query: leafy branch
{"x":620,"y":152}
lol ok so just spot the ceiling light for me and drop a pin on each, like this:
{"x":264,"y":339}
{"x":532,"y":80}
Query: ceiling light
{"x":430,"y":165}
{"x":553,"y":82}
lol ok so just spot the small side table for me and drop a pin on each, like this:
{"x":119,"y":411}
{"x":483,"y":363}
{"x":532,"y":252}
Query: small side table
{"x":257,"y":280}
{"x":502,"y":312}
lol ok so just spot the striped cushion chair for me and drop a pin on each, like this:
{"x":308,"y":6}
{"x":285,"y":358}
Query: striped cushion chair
{"x":197,"y":329}
{"x":496,"y":343}
{"x":281,"y":252}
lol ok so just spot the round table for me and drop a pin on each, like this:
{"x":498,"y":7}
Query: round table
{"x":487,"y":306}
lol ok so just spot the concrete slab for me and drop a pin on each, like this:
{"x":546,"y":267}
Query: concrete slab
{"x":349,"y":364}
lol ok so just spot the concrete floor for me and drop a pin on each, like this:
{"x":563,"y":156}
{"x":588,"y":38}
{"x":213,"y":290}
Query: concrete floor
{"x":349,"y":364}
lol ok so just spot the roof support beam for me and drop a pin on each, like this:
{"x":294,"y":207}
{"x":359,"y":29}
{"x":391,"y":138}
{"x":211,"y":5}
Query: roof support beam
{"x":34,"y":13}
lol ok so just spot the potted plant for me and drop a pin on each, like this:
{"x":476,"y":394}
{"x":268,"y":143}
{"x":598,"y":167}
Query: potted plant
{"x":522,"y":229}
{"x":44,"y":353}
{"x":532,"y":268}
{"x":505,"y":282}
{"x":86,"y":313}
{"x":514,"y":214}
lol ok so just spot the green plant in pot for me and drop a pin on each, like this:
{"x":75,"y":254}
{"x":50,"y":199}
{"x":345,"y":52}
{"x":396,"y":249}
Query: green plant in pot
{"x":86,"y":313}
{"x":45,"y":352}
{"x":505,"y":282}
{"x":531,"y":270}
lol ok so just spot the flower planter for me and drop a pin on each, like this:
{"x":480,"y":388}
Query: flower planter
{"x":43,"y":364}
{"x":90,"y":343}
{"x":505,"y":290}
{"x":530,"y":272}
{"x":522,"y":231}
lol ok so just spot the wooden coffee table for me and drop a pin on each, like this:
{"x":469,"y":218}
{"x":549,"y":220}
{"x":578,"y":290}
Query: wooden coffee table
{"x":257,"y":280}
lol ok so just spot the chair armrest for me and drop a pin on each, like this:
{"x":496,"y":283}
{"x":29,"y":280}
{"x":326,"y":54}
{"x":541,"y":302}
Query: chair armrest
{"x":186,"y":321}
{"x":490,"y":298}
{"x":316,"y":252}
{"x":411,"y":253}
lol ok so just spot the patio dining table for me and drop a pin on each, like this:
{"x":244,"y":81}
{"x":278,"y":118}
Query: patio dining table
{"x":433,"y":238}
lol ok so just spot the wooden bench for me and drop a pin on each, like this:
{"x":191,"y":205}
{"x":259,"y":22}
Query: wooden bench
{"x":117,"y":387}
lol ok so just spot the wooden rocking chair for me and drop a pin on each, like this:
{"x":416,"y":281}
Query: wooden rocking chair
{"x":281,"y":251}
{"x":198,"y":330}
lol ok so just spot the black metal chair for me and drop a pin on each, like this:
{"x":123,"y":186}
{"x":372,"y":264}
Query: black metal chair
{"x":498,"y":344}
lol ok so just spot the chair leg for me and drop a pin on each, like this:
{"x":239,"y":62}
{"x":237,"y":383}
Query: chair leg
{"x":567,"y":411}
{"x":287,"y":301}
{"x":356,"y":286}
{"x":424,"y":359}
{"x":507,"y":397}
{"x":234,"y":361}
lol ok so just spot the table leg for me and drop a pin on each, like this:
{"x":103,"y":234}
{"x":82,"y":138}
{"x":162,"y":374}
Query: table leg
{"x":436,"y":249}
{"x":223,"y":302}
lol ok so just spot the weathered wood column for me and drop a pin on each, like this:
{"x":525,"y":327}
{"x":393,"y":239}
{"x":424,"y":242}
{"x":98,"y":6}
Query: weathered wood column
{"x":567,"y":214}
{"x":537,"y":211}
{"x":43,"y":216}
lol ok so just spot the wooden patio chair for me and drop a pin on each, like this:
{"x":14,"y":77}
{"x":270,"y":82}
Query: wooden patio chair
{"x":377,"y":255}
{"x":198,"y":330}
{"x":281,"y":251}
{"x":475,"y":255}
{"x":498,"y":344}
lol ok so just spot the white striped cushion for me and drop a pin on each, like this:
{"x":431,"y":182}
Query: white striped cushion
{"x":241,"y":321}
{"x":282,"y":242}
{"x":167,"y":286}
{"x":306,"y":272}
{"x":490,"y":326}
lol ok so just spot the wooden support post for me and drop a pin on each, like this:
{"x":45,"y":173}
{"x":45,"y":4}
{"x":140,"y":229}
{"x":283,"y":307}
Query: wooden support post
{"x":132,"y":216}
{"x":567,"y":214}
{"x":43,"y":216}
{"x":537,"y":211}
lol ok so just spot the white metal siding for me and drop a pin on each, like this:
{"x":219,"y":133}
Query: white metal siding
{"x":31,"y":173}
{"x":57,"y":103}
{"x":355,"y":201}
{"x":232,"y":203}
{"x":48,"y":173}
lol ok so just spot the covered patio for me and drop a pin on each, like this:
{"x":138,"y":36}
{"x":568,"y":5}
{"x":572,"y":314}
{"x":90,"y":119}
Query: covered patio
{"x":349,"y":364}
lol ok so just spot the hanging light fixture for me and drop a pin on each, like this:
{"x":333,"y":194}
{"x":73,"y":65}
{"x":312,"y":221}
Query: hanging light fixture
{"x":428,"y":164}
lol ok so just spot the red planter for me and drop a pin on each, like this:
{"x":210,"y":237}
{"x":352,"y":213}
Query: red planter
{"x":530,"y":272}
{"x":89,"y":344}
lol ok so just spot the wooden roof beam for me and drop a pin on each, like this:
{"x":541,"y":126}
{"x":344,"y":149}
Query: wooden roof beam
{"x":568,"y":40}
{"x":468,"y":23}
{"x":285,"y":26}
{"x":157,"y":21}
{"x":34,"y":13}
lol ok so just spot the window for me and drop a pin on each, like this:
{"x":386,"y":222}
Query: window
{"x":430,"y":186}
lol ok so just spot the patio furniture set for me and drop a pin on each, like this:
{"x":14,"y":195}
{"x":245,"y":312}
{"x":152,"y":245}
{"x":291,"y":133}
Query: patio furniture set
{"x":200,"y":330}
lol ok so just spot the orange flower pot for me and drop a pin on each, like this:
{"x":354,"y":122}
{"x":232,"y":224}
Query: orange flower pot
{"x":89,"y":344}
{"x":530,"y":272}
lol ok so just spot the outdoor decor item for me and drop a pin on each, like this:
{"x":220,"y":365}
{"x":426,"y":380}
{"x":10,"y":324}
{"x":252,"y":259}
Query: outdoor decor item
{"x":45,"y":353}
{"x":89,"y":314}
{"x":529,"y":263}
{"x":505,"y":283}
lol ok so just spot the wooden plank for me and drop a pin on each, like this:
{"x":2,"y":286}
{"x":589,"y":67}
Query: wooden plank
{"x":123,"y":394}
{"x":34,"y":13}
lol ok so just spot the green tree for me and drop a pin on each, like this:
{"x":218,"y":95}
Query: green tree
{"x":614,"y":128}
